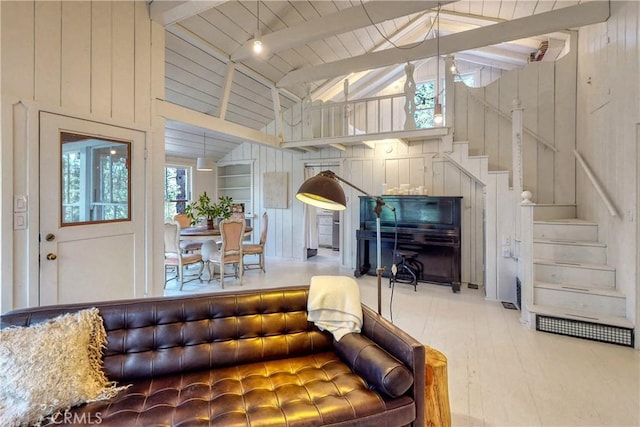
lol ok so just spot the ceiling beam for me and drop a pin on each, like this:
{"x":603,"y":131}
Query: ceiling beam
{"x":485,"y":61}
{"x":179,"y":113}
{"x":169,"y":12}
{"x":336,"y":23}
{"x":543,"y":23}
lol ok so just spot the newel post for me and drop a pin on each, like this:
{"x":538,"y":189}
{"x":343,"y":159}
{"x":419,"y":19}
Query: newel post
{"x":516,"y":145}
{"x":517,"y":128}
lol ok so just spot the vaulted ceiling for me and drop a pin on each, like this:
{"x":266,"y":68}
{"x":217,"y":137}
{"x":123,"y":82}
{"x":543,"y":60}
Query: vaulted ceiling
{"x":220,"y":94}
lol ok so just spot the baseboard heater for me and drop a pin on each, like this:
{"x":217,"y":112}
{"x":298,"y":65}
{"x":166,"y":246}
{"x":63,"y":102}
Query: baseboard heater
{"x":587,"y":330}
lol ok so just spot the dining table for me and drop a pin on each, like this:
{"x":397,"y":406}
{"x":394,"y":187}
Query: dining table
{"x":202,"y":233}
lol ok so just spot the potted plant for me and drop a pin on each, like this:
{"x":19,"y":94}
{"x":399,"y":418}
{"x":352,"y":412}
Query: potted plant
{"x":205,"y":208}
{"x":224,"y":207}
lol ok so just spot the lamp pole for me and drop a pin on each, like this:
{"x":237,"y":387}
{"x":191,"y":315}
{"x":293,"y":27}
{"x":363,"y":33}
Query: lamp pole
{"x":378,"y":210}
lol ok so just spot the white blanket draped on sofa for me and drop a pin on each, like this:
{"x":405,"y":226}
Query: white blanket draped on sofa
{"x":334,"y":305}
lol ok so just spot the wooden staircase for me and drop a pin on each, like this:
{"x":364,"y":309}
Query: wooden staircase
{"x":573,"y":287}
{"x":574,"y":290}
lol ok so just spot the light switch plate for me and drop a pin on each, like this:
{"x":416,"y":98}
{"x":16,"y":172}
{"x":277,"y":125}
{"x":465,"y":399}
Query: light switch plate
{"x":20,"y":221}
{"x":20,"y":203}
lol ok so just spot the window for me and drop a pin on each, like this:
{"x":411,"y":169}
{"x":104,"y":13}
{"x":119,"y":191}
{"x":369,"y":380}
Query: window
{"x":94,"y":180}
{"x":425,"y":104}
{"x":177,"y":189}
{"x":425,"y":99}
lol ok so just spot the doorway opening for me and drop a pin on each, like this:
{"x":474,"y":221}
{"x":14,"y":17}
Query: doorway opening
{"x":322,"y":226}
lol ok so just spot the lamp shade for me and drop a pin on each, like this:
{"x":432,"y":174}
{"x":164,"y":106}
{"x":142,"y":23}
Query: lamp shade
{"x":324,"y":192}
{"x":204,"y":164}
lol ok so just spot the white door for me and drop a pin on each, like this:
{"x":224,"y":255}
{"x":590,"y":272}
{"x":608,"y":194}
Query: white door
{"x":91,"y":211}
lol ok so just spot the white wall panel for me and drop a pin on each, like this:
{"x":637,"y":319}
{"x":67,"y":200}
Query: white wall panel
{"x":59,"y":56}
{"x":17,"y":39}
{"x":607,"y":113}
{"x":545,"y":117}
{"x":123,"y":54}
{"x":47,"y":52}
{"x":368,"y":173}
{"x":102,"y":48}
{"x":75,"y":87}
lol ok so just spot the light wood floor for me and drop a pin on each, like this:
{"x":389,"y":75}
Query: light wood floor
{"x":500,"y":372}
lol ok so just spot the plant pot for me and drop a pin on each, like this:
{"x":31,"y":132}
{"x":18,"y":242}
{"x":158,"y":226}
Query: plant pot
{"x":209,"y":224}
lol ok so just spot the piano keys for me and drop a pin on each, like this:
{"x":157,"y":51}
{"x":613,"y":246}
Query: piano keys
{"x":427,"y":225}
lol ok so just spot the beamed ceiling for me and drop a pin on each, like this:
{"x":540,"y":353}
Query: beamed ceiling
{"x":218,"y":90}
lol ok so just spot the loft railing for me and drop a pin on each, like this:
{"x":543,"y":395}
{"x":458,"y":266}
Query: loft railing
{"x":365,"y":116}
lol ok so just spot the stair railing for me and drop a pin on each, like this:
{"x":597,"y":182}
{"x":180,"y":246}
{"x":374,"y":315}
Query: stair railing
{"x":596,"y":184}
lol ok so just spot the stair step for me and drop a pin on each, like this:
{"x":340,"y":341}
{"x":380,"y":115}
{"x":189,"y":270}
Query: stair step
{"x":585,"y":316}
{"x":608,"y":302}
{"x":570,"y":250}
{"x":567,"y":229}
{"x":582,"y":274}
{"x":545,"y":211}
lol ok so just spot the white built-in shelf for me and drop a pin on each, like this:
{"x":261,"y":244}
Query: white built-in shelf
{"x":243,"y":175}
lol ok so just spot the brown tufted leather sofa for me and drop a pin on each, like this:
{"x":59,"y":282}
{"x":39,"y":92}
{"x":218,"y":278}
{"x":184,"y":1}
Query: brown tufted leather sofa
{"x":248,"y":358}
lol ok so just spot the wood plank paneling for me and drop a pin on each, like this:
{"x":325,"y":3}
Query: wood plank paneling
{"x":508,"y":92}
{"x":565,"y":128}
{"x":101,"y":58}
{"x":545,"y":118}
{"x":367,"y":173}
{"x":17,"y":59}
{"x":142,"y":64}
{"x":47,"y":52}
{"x":76,"y":56}
{"x":123,"y":60}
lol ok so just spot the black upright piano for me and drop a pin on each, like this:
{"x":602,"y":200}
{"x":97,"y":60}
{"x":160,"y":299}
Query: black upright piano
{"x":427,"y":225}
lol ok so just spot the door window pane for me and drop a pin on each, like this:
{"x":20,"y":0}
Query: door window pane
{"x":94,"y":180}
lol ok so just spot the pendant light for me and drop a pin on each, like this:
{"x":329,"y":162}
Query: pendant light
{"x":204,"y":164}
{"x":437,"y":111}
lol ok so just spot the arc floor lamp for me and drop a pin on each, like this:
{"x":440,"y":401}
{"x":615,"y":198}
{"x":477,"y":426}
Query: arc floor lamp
{"x":324,"y":191}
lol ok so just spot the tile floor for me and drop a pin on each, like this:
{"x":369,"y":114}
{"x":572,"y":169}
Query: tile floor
{"x":500,"y":372}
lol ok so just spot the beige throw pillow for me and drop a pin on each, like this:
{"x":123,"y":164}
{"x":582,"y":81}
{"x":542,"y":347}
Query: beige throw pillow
{"x":52,"y":366}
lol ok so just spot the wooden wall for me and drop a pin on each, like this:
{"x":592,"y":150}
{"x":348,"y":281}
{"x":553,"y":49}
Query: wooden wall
{"x":608,"y":114}
{"x":547,"y":94}
{"x":368,"y":169}
{"x":89,"y":59}
{"x":92,"y":57}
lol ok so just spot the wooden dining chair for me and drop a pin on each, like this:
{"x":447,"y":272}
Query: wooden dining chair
{"x":186,"y":245}
{"x":257,"y":249}
{"x":174,"y":256}
{"x":230,"y":252}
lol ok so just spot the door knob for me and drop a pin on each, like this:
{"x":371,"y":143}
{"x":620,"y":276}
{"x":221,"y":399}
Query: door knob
{"x":51,"y":256}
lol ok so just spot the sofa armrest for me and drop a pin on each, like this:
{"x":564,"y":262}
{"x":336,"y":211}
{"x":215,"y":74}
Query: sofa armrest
{"x":403,"y":347}
{"x":379,"y":369}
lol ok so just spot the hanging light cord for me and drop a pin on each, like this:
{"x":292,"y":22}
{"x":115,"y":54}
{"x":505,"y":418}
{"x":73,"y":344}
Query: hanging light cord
{"x":393,"y":261}
{"x":258,"y":17}
{"x":412,"y":45}
{"x":438,"y":54}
